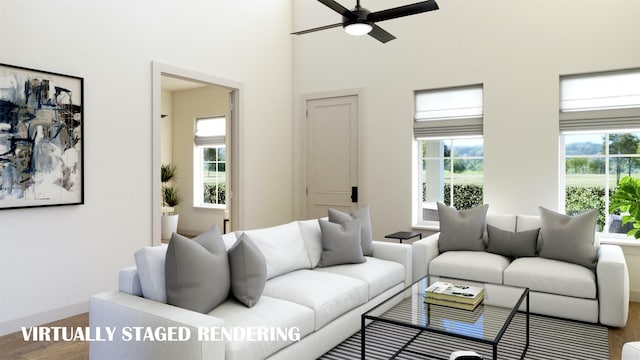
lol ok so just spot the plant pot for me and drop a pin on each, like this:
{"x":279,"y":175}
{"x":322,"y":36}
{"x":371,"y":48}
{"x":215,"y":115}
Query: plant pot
{"x":169,"y":226}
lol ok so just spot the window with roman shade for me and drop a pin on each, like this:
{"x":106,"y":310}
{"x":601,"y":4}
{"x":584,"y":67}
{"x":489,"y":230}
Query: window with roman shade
{"x":449,"y":153}
{"x":599,"y":125}
{"x":210,"y":162}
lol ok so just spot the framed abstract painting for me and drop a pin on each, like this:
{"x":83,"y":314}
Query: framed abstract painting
{"x":41,"y":138}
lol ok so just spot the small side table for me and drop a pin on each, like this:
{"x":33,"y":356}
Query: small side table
{"x":404,"y":235}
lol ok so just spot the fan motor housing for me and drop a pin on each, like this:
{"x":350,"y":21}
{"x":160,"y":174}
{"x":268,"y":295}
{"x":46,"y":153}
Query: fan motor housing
{"x":361,"y":16}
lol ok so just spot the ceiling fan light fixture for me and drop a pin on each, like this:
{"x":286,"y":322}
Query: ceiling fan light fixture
{"x":358,"y":28}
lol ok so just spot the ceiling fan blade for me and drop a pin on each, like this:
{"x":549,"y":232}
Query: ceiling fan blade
{"x":338,"y":8}
{"x":380,"y":34}
{"x":404,"y":10}
{"x":317,"y":29}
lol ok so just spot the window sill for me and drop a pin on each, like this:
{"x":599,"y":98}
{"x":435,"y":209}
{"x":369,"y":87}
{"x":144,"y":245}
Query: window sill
{"x":426,"y":227}
{"x":210,"y":207}
{"x":619,"y":241}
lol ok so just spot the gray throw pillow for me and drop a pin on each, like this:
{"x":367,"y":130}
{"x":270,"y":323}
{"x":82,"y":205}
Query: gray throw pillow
{"x":340,"y":244}
{"x":248,"y":271}
{"x":339,"y":217}
{"x":512,"y":244}
{"x":569,"y":238}
{"x":461,"y":230}
{"x":197,"y":271}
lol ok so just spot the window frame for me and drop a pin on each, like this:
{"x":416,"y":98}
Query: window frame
{"x":599,"y":112}
{"x":419,"y":206}
{"x":201,"y":143}
{"x":456,"y":112}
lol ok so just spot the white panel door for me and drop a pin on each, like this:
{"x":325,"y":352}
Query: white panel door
{"x":332,"y":154}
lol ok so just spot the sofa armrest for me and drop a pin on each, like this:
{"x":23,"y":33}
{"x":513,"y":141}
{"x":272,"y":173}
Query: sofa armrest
{"x":123,"y":312}
{"x":613,"y":285}
{"x":424,"y":251}
{"x":400,"y":253}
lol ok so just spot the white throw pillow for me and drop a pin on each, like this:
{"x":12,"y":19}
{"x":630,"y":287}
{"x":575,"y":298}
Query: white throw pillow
{"x":283,"y":248}
{"x":150,"y":263}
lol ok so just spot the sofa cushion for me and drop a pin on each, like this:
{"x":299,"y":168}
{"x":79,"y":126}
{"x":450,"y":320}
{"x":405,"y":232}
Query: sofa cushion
{"x":339,"y":217}
{"x":150,"y":265}
{"x":551,"y":276}
{"x":197,"y":271}
{"x":268,"y":313}
{"x":512,"y":244}
{"x":229,"y":239}
{"x":329,"y":295}
{"x":379,"y":274}
{"x":470,"y":265}
{"x":502,"y":221}
{"x":248,"y":271}
{"x":569,"y":238}
{"x":341,"y":243}
{"x":461,"y":230}
{"x":312,"y":239}
{"x":283,"y":248}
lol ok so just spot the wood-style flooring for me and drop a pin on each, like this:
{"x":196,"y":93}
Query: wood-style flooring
{"x":13,"y":347}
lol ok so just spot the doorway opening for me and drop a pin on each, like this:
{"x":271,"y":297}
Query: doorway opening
{"x":180,"y":98}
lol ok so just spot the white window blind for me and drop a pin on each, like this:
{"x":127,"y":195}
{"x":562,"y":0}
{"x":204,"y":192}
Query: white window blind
{"x":210,"y":131}
{"x":600,"y":101}
{"x":448,"y":112}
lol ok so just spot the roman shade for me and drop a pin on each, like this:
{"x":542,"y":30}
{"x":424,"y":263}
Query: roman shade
{"x":450,"y":112}
{"x":210,"y":131}
{"x":600,"y":101}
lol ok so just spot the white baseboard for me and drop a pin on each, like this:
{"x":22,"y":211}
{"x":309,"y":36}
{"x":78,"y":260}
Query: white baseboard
{"x":14,"y":325}
{"x":634,"y":295}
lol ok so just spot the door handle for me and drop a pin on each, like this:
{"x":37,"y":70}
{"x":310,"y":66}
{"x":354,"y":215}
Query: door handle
{"x":354,"y":194}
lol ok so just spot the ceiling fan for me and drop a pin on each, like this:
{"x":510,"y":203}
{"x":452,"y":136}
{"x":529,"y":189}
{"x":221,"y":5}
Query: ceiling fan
{"x":361,"y":21}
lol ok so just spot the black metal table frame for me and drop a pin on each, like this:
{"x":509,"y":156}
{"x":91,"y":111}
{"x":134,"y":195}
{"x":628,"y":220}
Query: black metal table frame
{"x":494,"y":343}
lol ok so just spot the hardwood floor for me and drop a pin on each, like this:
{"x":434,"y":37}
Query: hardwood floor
{"x":13,"y":347}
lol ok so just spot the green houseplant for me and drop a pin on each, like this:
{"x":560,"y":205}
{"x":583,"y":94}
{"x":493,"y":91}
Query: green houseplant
{"x":626,"y":200}
{"x":170,"y":199}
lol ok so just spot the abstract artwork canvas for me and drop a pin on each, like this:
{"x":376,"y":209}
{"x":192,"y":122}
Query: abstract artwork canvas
{"x":41,"y":142}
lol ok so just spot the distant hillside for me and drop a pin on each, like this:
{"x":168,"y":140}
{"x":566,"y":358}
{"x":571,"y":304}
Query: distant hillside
{"x":583,"y":148}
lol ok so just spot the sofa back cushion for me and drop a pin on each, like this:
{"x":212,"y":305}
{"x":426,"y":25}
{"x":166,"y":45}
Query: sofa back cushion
{"x":506,"y":222}
{"x":312,"y":239}
{"x":283,"y":248}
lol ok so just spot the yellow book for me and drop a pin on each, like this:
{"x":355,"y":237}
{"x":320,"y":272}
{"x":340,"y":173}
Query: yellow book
{"x":454,"y":304}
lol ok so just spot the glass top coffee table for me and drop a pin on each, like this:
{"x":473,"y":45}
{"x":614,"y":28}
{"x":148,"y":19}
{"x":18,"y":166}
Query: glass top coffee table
{"x":405,"y":327}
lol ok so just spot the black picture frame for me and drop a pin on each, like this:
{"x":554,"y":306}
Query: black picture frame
{"x":41,"y":138}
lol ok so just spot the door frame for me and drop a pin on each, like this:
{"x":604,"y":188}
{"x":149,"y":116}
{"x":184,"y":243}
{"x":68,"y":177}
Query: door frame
{"x":157,"y":71}
{"x":300,"y":142}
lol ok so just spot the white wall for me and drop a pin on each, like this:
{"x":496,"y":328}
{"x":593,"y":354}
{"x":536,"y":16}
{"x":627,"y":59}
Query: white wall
{"x":54,"y":259}
{"x":188,"y":105}
{"x":517,"y":49}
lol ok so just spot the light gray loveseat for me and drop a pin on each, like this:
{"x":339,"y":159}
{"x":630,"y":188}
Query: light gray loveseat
{"x":324,"y":304}
{"x":557,"y":288}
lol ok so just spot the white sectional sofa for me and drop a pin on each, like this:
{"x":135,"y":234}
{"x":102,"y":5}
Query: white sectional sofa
{"x":557,"y":288}
{"x":323,"y":304}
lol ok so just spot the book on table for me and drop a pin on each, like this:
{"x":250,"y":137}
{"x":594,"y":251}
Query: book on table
{"x":453,"y":304}
{"x":456,"y":295}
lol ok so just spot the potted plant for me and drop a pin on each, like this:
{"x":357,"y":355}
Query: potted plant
{"x":170,"y":199}
{"x":626,"y":200}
